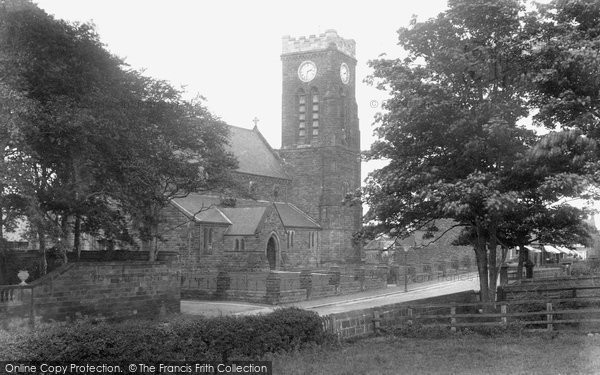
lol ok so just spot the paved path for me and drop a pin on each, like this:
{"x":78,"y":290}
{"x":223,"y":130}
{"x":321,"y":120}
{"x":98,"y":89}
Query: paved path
{"x":335,"y":304}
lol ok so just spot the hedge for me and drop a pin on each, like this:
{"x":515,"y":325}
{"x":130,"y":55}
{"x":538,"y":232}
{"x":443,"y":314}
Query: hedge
{"x":179,"y":338}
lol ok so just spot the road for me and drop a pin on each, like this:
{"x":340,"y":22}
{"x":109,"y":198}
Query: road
{"x":336,"y":304}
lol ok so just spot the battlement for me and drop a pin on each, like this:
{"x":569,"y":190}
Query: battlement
{"x":318,"y":42}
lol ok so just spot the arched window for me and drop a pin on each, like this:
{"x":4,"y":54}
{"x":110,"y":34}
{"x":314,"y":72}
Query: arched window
{"x":237,"y":244}
{"x":314,"y":94}
{"x":301,"y":114}
{"x":290,"y":239}
{"x":275,"y":191}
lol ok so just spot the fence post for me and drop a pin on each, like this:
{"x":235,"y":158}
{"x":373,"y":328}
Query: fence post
{"x":376,"y":322}
{"x":503,"y":310}
{"x":550,"y":316}
{"x":410,"y":316}
{"x":453,"y":318}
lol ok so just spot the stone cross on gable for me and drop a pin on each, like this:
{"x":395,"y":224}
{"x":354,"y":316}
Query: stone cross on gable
{"x":255,"y":120}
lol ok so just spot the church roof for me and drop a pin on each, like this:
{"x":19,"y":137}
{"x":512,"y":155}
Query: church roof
{"x":382,"y":242}
{"x":245,"y":221}
{"x":254,"y":154}
{"x":202,"y":208}
{"x":292,"y":217}
{"x":246,"y":217}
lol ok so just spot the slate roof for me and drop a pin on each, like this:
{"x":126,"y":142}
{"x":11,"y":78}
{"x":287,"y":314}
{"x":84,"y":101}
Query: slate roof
{"x":382,"y":242}
{"x":291,"y":216}
{"x":245,"y":221}
{"x":203,"y":208}
{"x":254,"y":154}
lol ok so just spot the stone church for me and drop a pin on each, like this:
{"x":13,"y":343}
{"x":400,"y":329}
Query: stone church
{"x":291,"y":213}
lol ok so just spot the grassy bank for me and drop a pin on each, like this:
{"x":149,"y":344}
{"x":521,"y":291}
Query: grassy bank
{"x":465,"y":354}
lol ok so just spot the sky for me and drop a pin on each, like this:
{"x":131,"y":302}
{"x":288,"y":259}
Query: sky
{"x":229,"y":51}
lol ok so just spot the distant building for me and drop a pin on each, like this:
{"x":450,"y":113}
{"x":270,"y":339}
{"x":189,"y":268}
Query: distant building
{"x":421,"y":253}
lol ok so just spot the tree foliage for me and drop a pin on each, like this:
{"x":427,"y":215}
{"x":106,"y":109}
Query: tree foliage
{"x":451,"y":132}
{"x":101,"y":145}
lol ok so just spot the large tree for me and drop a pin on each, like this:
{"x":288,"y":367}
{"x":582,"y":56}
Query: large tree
{"x":451,"y":130}
{"x":104,"y":144}
{"x":565,"y":51}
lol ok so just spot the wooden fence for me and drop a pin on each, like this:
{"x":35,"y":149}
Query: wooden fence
{"x":530,"y":315}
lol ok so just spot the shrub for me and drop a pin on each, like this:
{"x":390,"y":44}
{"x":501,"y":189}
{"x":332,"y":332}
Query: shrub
{"x":180,"y":338}
{"x":589,"y":267}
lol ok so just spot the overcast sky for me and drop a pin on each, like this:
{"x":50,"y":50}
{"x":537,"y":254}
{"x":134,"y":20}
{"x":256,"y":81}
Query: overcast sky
{"x":229,"y":51}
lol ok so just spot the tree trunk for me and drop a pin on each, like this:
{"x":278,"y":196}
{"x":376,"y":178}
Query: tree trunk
{"x":480,"y":256}
{"x":64,"y":229}
{"x":482,"y":264}
{"x":42,"y":243}
{"x":77,"y":236}
{"x":153,"y":244}
{"x":492,"y":270}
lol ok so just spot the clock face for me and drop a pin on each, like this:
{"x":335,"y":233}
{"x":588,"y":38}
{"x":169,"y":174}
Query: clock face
{"x":345,"y":73}
{"x":307,"y":71}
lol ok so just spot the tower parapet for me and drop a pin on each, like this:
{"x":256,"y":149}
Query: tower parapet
{"x":318,"y":42}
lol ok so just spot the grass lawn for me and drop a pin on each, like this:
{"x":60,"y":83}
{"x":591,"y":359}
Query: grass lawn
{"x":564,"y":353}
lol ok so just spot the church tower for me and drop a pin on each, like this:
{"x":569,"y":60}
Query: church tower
{"x":321,"y":137}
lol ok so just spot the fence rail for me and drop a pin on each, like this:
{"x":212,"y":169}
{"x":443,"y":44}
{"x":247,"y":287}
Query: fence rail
{"x":532,"y":314}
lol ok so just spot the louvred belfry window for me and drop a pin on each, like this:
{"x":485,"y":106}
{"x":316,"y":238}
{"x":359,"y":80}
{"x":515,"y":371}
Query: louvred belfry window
{"x":301,"y":114}
{"x":314,"y":94}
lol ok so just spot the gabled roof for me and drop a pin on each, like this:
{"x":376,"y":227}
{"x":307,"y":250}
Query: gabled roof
{"x":254,"y":154}
{"x":292,"y":217}
{"x":201,"y":208}
{"x":246,"y":217}
{"x":245,"y":221}
{"x":382,"y":242}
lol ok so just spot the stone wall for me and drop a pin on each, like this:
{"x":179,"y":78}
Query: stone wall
{"x":262,"y":187}
{"x":322,"y":176}
{"x":276,"y":287}
{"x":362,"y":322}
{"x":113,"y":290}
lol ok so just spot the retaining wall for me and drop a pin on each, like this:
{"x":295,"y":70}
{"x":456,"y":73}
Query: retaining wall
{"x":362,"y":322}
{"x":114,"y":290}
{"x":276,"y":287}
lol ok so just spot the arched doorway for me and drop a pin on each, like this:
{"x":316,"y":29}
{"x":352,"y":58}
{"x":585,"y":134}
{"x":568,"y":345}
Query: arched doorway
{"x":272,"y":252}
